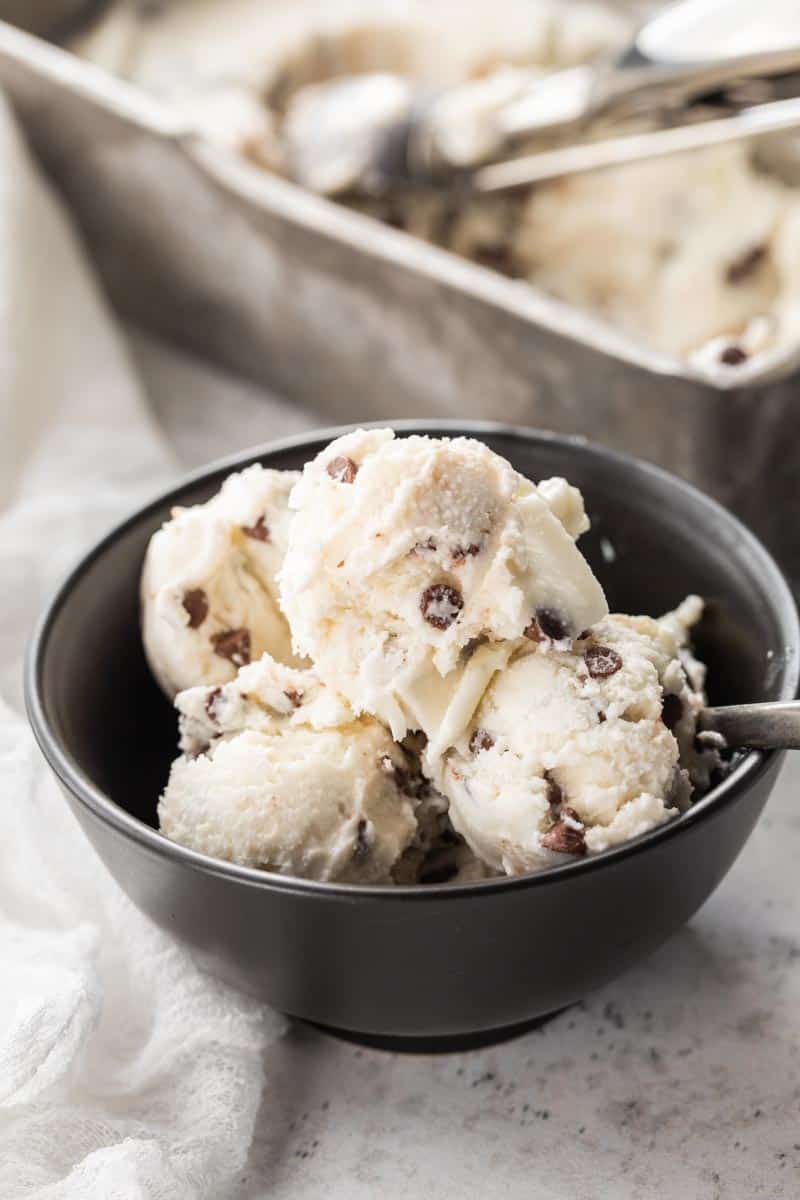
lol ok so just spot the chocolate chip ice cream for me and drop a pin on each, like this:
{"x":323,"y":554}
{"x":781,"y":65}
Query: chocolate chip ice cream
{"x":462,"y":705}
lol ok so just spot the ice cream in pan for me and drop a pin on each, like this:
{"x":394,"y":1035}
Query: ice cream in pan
{"x":468,"y":706}
{"x":694,"y":256}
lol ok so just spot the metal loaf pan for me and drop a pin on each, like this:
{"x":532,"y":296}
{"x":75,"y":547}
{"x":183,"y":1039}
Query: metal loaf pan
{"x":364,"y":321}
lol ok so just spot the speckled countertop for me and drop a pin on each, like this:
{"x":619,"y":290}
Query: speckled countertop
{"x":680,"y":1081}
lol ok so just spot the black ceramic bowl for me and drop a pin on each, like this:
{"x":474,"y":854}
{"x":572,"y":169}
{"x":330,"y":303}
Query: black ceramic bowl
{"x":444,"y":960}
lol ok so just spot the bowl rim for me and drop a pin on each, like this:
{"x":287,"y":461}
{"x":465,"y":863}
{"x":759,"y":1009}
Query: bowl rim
{"x":752,"y":765}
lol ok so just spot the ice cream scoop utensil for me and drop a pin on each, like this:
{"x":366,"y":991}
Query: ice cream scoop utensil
{"x":686,"y":52}
{"x":374,"y":132}
{"x":768,"y":726}
{"x":754,"y":122}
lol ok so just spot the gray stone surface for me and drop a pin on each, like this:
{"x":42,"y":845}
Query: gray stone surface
{"x":681,"y":1081}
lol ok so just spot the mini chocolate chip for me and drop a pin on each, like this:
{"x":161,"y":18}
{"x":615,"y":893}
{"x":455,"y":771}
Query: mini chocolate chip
{"x":533,"y":631}
{"x":564,"y":838}
{"x":552,"y":624}
{"x":496,"y":258}
{"x":671,"y":710}
{"x":602,"y":661}
{"x":396,"y":219}
{"x":733,"y":356}
{"x":480,"y":740}
{"x":461,"y":553}
{"x":748,"y":262}
{"x":584,"y":634}
{"x":259,"y":532}
{"x":555,"y":795}
{"x":233,"y":644}
{"x":601,"y":717}
{"x":438,"y":872}
{"x":440,"y":604}
{"x":295,"y":698}
{"x":361,"y":848}
{"x":211,"y":699}
{"x":344,"y":470}
{"x":195,"y":602}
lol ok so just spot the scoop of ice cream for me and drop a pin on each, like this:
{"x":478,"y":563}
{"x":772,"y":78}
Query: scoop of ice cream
{"x":209,"y":591}
{"x":415,"y":565}
{"x":312,"y":803}
{"x":277,"y":774}
{"x":574,"y":750}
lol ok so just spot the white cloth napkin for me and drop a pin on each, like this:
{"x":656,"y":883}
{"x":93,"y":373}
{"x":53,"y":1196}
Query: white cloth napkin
{"x":125,"y":1072}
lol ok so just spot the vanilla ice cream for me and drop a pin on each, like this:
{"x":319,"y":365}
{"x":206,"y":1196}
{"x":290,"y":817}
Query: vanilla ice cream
{"x":455,"y":702}
{"x":278,"y":774}
{"x":414,"y":567}
{"x":573,"y":750}
{"x":209,"y":593}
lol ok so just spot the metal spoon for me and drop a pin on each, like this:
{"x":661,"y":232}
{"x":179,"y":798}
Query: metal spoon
{"x":371,"y":133}
{"x":776,"y":117}
{"x":769,"y":726}
{"x":691,"y":50}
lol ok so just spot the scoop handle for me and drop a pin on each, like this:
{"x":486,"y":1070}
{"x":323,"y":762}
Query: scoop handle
{"x":770,"y":726}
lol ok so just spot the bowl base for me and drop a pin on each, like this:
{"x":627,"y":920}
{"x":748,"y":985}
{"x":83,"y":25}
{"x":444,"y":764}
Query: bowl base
{"x":439,"y":1043}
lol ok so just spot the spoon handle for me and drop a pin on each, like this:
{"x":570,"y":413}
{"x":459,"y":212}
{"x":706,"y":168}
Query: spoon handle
{"x":771,"y":117}
{"x":773,"y":726}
